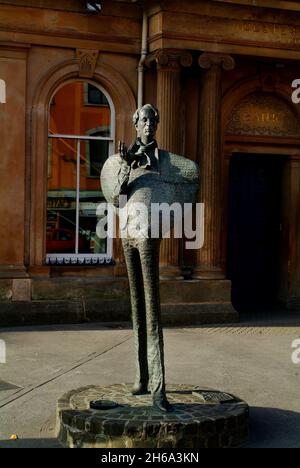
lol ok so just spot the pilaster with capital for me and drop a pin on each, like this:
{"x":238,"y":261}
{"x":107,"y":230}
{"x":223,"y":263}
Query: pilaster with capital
{"x":169,"y":66}
{"x":209,"y":258}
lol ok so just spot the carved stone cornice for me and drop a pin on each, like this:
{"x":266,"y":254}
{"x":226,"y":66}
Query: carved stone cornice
{"x":87,"y":62}
{"x":170,"y":59}
{"x":210,"y":60}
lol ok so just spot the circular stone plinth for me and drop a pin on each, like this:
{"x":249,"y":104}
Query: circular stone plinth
{"x":201,"y":419}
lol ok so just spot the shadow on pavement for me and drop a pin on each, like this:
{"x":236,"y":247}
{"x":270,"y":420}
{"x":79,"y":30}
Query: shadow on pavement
{"x":273,"y":428}
{"x":30,"y":443}
{"x":269,"y":428}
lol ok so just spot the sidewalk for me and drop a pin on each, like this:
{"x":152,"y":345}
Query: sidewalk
{"x":251,"y":360}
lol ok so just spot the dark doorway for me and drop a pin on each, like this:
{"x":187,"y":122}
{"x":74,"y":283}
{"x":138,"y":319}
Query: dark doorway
{"x":254,"y":229}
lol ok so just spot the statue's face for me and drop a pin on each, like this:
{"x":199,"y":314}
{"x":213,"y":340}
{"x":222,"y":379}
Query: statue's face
{"x":146,"y":126}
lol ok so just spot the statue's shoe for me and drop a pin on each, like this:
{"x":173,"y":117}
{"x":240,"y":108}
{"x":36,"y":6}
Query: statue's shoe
{"x":139,"y":390}
{"x":162,"y":404}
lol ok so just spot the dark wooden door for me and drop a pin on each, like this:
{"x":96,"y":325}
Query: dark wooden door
{"x":254,"y":229}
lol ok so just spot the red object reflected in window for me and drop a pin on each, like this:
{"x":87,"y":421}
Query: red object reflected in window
{"x":64,"y":241}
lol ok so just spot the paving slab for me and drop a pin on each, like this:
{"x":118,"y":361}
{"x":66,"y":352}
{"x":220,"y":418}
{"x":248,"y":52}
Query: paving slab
{"x":251,"y":360}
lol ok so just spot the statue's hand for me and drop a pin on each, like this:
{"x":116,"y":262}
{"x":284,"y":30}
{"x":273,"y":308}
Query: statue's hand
{"x":124,"y":153}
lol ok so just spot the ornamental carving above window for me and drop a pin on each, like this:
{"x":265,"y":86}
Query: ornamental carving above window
{"x":87,"y":62}
{"x":262,"y":114}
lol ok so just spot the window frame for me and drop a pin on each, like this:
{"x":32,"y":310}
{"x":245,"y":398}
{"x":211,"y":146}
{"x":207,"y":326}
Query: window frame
{"x":78,"y":258}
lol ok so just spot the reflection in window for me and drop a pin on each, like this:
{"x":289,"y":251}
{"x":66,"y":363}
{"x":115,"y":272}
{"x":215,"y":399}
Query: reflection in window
{"x":81,"y":138}
{"x":97,"y":151}
{"x":93,"y":96}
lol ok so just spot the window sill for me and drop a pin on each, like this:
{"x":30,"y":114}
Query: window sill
{"x":80,"y":262}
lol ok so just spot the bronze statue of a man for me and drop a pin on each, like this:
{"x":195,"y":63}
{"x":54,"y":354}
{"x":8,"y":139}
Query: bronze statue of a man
{"x":147,"y":175}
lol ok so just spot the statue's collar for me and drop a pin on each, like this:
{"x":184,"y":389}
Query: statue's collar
{"x":145,"y":148}
{"x":143,"y":153}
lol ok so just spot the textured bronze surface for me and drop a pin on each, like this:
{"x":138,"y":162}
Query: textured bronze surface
{"x":147,"y":175}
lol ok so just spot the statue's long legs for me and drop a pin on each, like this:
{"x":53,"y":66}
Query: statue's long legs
{"x":149,"y":253}
{"x":138,"y":316}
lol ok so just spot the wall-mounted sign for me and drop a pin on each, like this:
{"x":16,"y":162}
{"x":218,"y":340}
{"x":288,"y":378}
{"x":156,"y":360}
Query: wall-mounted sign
{"x":2,"y":92}
{"x":263,"y":114}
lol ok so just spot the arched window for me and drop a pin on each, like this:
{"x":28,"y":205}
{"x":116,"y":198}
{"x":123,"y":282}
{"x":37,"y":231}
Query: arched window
{"x":81,"y":138}
{"x":2,"y":92}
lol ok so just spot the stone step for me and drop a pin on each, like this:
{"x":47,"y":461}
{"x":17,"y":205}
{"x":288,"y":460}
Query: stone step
{"x":109,"y":311}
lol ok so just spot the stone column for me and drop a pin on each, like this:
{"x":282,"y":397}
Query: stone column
{"x":209,"y":258}
{"x":169,"y":136}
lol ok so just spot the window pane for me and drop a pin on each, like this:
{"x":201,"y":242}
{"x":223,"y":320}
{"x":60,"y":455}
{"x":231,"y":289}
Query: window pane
{"x":97,"y":152}
{"x":61,"y":206}
{"x":79,"y":109}
{"x":95,"y":96}
{"x":90,"y":197}
{"x":90,"y":242}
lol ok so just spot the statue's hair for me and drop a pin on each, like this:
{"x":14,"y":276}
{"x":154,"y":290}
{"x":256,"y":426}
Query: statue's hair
{"x":155,"y":111}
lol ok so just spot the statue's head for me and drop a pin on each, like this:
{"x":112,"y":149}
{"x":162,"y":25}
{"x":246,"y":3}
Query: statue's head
{"x":146,"y":120}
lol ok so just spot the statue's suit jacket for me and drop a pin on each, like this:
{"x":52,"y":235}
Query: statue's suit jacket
{"x":171,"y":179}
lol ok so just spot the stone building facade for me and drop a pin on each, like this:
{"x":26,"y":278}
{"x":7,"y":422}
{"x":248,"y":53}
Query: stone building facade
{"x":221,"y":73}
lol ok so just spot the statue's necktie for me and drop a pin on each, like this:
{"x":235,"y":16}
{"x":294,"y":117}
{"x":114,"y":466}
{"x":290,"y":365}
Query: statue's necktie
{"x":143,"y":160}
